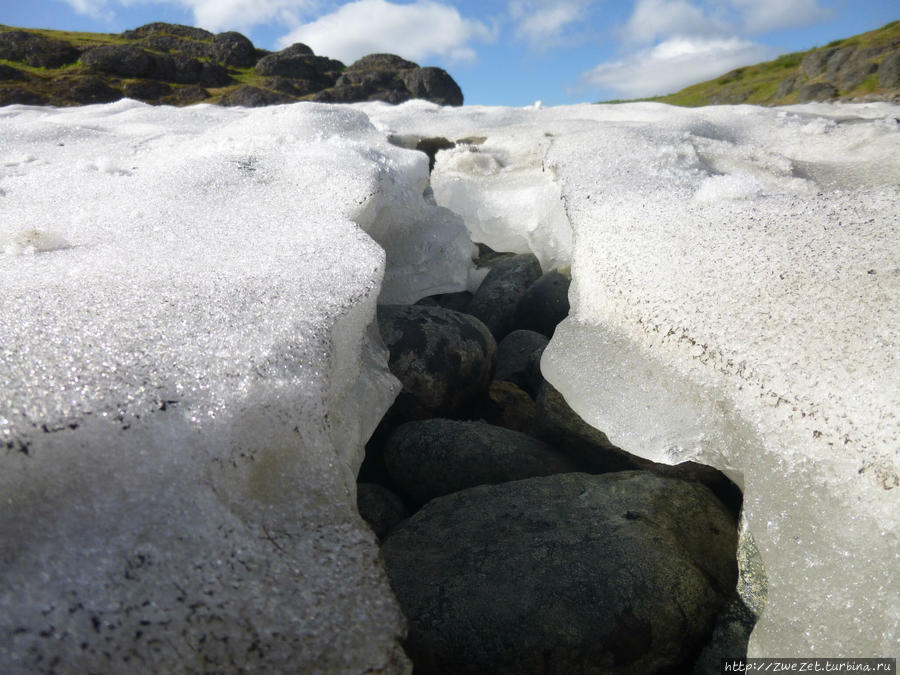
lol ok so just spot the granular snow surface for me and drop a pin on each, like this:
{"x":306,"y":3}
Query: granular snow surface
{"x":188,"y":373}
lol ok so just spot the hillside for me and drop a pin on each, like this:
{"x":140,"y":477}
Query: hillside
{"x":181,"y":65}
{"x":862,"y":67}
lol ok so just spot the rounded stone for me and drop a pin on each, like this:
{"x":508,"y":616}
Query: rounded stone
{"x":544,"y":305}
{"x":496,"y":299}
{"x":444,"y":359}
{"x":619,"y":573}
{"x":437,"y":457}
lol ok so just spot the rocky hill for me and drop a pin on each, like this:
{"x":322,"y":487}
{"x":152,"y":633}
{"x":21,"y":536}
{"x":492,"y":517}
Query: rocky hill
{"x":864,"y":67}
{"x":180,"y":65}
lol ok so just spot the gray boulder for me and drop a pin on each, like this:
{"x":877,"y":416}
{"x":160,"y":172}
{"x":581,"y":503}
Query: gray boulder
{"x":248,"y":96}
{"x":444,"y":359}
{"x":122,"y":60}
{"x":36,"y":50}
{"x":84,"y":90}
{"x":437,"y":457}
{"x":150,"y":91}
{"x":519,"y":360}
{"x":380,"y":508}
{"x":496,"y":299}
{"x":619,"y":573}
{"x":232,"y":49}
{"x":545,"y":304}
{"x":433,"y":84}
{"x":299,"y":62}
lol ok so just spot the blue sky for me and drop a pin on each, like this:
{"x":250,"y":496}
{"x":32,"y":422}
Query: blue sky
{"x":508,"y":52}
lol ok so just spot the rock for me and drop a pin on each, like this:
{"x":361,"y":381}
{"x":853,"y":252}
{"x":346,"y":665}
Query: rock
{"x":620,"y":573}
{"x":9,"y":73}
{"x":187,"y":95}
{"x":291,"y":87}
{"x":84,"y":90}
{"x":545,"y":304}
{"x":383,"y":62}
{"x":495,"y":300}
{"x":567,"y":432}
{"x":36,"y":50}
{"x":437,"y":457}
{"x":837,"y":59}
{"x":786,"y":86}
{"x":814,"y":63}
{"x":299,"y":62}
{"x":385,"y":77}
{"x":233,"y":49}
{"x":455,"y":301}
{"x":817,"y":91}
{"x":431,"y":146}
{"x":889,"y":71}
{"x":162,"y":28}
{"x":854,"y":73}
{"x":506,"y":405}
{"x":19,"y":95}
{"x":254,"y":97}
{"x":433,"y":84}
{"x":123,"y":60}
{"x":444,"y":359}
{"x":150,"y":91}
{"x":519,"y":360}
{"x":170,"y":44}
{"x":380,"y":508}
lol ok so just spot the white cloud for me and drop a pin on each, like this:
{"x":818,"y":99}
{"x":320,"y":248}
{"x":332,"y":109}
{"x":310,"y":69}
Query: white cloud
{"x":759,"y":16}
{"x":652,"y":19}
{"x":674,"y":64}
{"x":218,"y":15}
{"x":541,"y":22}
{"x":415,"y":31}
{"x":93,"y":8}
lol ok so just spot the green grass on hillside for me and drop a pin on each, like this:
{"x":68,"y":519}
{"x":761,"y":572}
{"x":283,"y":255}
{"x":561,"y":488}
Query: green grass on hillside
{"x":759,"y":84}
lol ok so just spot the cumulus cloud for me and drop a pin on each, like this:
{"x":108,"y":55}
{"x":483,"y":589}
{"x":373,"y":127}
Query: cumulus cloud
{"x":416,"y":31}
{"x":218,"y":15}
{"x":674,"y":64}
{"x":542,"y":22}
{"x":652,"y":19}
{"x":764,"y":15}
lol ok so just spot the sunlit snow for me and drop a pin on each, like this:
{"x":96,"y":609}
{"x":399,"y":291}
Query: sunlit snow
{"x":188,"y":373}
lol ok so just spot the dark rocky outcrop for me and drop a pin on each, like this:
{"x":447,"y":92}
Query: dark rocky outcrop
{"x":572,"y":573}
{"x":143,"y":62}
{"x":436,"y":457}
{"x":36,"y":50}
